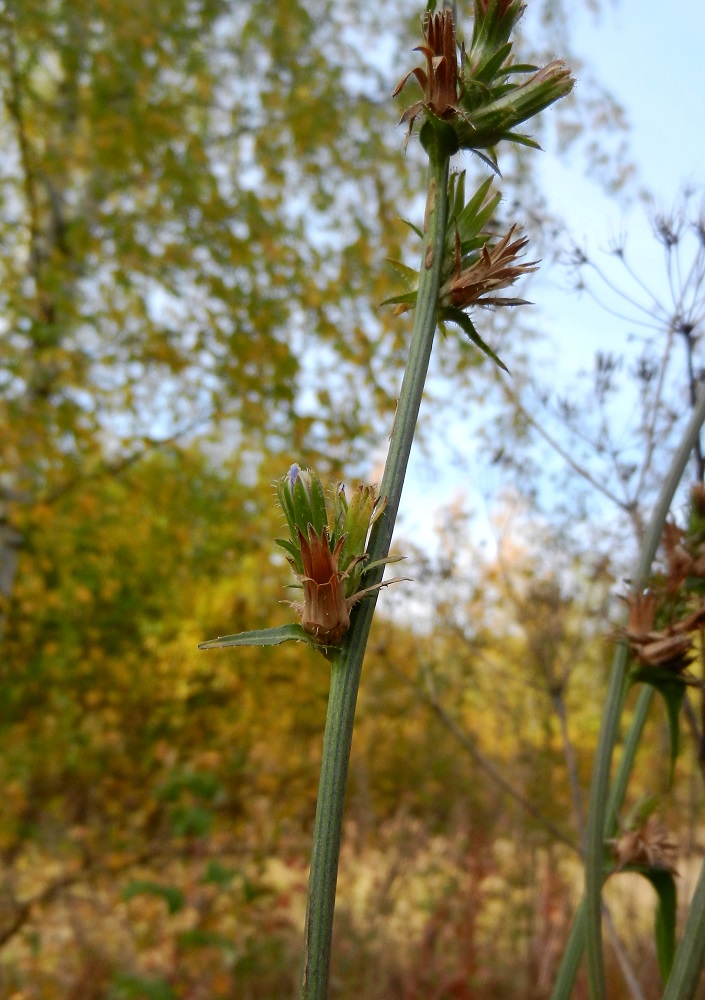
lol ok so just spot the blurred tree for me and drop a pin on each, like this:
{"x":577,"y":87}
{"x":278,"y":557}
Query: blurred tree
{"x":196,"y":201}
{"x":195,"y":208}
{"x":181,"y":223}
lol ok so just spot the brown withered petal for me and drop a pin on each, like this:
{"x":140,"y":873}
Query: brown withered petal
{"x":697,"y":498}
{"x":641,"y":611}
{"x":442,"y":58}
{"x":324,"y":612}
{"x":496,"y":268}
{"x":648,"y":847}
{"x":439,"y":82}
{"x":673,"y":652}
{"x":670,"y":648}
{"x":679,"y":561}
{"x":691,"y":623}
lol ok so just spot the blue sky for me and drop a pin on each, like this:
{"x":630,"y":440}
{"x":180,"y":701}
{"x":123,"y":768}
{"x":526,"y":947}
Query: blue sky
{"x":651,"y":56}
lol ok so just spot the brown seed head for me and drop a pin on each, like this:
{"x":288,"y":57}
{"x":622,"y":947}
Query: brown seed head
{"x":496,"y":268}
{"x":647,"y":847}
{"x":439,"y":81}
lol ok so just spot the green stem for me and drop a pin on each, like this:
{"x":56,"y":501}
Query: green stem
{"x":573,"y":951}
{"x":346,"y":665}
{"x":599,"y":819}
{"x":690,"y":956}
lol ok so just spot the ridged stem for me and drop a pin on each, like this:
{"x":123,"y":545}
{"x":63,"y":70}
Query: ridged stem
{"x":575,"y":946}
{"x":346,"y":665}
{"x":599,"y":819}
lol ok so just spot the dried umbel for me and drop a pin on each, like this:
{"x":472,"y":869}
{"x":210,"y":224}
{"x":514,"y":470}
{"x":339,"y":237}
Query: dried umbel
{"x":327,"y":550}
{"x":647,"y":847}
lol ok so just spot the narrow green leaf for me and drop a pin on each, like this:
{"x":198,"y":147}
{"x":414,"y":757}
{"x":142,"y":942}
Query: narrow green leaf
{"x":303,"y":511}
{"x":286,"y":504}
{"x":460,"y":194}
{"x":522,"y":68}
{"x":261,"y":637}
{"x":383,"y":562}
{"x":457,"y":316}
{"x":293,"y":551}
{"x":408,"y":298}
{"x":492,"y":67}
{"x":413,"y":228}
{"x":473,"y":207}
{"x":665,"y":918}
{"x":452,"y":196}
{"x":408,"y":273}
{"x":318,"y":505}
{"x":489,"y":157}
{"x":522,"y":140}
{"x":672,"y":690}
{"x":472,"y":246}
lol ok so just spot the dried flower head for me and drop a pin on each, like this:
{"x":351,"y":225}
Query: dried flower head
{"x":670,"y":648}
{"x":481,"y":101}
{"x":324,"y":611}
{"x":439,"y":81}
{"x":476,"y":278}
{"x":327,"y":550}
{"x":647,"y":847}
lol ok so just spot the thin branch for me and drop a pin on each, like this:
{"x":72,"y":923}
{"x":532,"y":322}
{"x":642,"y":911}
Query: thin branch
{"x":571,"y":765}
{"x":621,"y":956}
{"x":469,"y":742}
{"x":655,"y":409}
{"x":628,"y":508}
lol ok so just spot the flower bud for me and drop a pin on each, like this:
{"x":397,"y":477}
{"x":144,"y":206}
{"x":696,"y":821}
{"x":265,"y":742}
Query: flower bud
{"x":327,"y":550}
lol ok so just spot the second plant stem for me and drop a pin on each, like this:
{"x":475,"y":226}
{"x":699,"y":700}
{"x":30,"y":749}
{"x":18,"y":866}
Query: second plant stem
{"x":601,"y":817}
{"x":346,"y":664}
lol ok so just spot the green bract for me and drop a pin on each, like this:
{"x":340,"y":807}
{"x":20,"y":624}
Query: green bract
{"x":327,"y":550}
{"x":303,"y":499}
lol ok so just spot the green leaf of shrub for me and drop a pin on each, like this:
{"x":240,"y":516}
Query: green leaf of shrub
{"x":191,"y":821}
{"x":138,"y":988}
{"x":172,"y":896}
{"x":199,"y":938}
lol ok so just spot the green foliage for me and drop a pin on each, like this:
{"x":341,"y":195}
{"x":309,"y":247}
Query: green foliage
{"x":140,"y":988}
{"x":665,"y":919}
{"x":672,"y":691}
{"x":172,"y":896}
